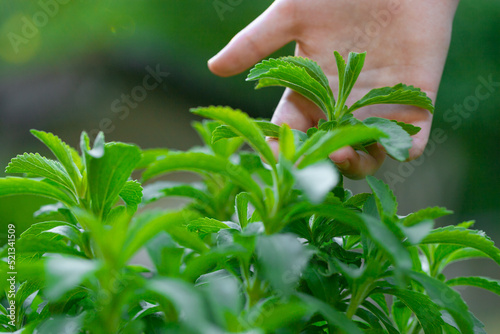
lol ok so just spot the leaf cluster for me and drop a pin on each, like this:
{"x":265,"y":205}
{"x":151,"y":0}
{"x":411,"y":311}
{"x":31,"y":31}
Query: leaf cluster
{"x":258,"y":247}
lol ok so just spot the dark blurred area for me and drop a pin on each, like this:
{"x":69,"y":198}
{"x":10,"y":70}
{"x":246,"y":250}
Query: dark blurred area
{"x":133,"y":69}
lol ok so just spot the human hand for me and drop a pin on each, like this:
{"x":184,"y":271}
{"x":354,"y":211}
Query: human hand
{"x":406,"y":41}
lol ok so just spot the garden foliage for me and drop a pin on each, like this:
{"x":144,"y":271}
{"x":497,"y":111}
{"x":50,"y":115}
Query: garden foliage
{"x":274,"y":247}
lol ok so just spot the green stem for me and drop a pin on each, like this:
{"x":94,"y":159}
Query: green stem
{"x":271,"y":213}
{"x":331,"y":113}
{"x":416,"y":328}
{"x":358,"y":297}
{"x":360,"y":293}
{"x":254,"y":291}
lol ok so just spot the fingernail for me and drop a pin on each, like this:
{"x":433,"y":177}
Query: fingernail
{"x":344,"y":165}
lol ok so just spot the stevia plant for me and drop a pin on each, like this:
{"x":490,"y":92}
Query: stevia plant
{"x":275,"y":247}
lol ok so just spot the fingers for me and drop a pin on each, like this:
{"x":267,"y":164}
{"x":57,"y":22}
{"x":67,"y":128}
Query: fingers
{"x":269,"y":32}
{"x":420,"y":141}
{"x":301,"y":114}
{"x":358,"y":164}
{"x":297,"y":111}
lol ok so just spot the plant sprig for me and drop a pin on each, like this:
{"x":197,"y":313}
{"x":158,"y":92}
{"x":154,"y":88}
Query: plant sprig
{"x":306,"y":78}
{"x":259,"y":247}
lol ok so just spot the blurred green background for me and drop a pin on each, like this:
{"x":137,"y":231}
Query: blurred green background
{"x":74,"y":71}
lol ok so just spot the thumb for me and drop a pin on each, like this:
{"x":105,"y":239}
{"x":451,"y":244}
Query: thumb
{"x":266,"y":34}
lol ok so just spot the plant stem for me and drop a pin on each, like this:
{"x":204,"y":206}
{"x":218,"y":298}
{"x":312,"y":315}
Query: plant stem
{"x":358,"y":297}
{"x":273,"y":212}
{"x":367,"y":278}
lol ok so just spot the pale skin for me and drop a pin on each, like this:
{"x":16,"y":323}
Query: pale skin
{"x":406,"y":42}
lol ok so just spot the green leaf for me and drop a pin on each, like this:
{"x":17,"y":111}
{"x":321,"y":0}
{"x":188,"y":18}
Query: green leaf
{"x":384,"y":197}
{"x":61,"y":324}
{"x":66,"y":155}
{"x":280,"y":72}
{"x":160,"y":189}
{"x":353,"y":221}
{"x":425,"y":214}
{"x":253,"y":164}
{"x":417,"y":233}
{"x":316,"y":180}
{"x":131,"y":194}
{"x":49,"y":237}
{"x":286,"y":142}
{"x":47,"y":211}
{"x":146,"y":226}
{"x":463,"y":253}
{"x":339,"y":60}
{"x":31,"y":248}
{"x":398,"y":141}
{"x":223,"y":292}
{"x":313,"y":140}
{"x":388,"y":241}
{"x":205,"y":129}
{"x":447,"y":298}
{"x":478,"y":282}
{"x":203,"y":162}
{"x":357,"y":200}
{"x":409,"y":128}
{"x":166,"y":254}
{"x":66,"y":273}
{"x":242,"y":125}
{"x":464,"y":237}
{"x":325,"y":288}
{"x":108,"y":168}
{"x":21,"y":186}
{"x":26,"y":289}
{"x":225,"y":148}
{"x":209,"y":225}
{"x":205,"y":262}
{"x":283,"y":258}
{"x":426,"y":311}
{"x":334,"y":317}
{"x":327,"y":125}
{"x":63,"y":229}
{"x":187,"y":301}
{"x":242,"y":208}
{"x":223,"y":132}
{"x":313,"y":69}
{"x":146,"y":310}
{"x":398,"y":94}
{"x":381,"y":316}
{"x":4,"y":322}
{"x":348,"y":75}
{"x":321,"y":144}
{"x":268,"y":129}
{"x":401,"y":314}
{"x":276,"y":316}
{"x":299,"y":137}
{"x":150,"y":156}
{"x":98,"y":150}
{"x":36,"y":165}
